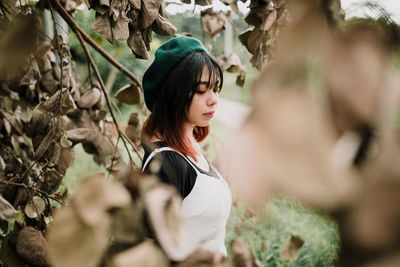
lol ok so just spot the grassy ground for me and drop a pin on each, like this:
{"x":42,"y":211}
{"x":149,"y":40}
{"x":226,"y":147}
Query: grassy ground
{"x":267,"y":233}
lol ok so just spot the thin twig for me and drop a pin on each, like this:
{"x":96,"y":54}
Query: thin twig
{"x":103,"y":89}
{"x":76,"y":29}
{"x":31,"y":187}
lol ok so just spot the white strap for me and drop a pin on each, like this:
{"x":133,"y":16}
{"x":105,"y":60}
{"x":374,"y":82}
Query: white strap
{"x":166,"y":148}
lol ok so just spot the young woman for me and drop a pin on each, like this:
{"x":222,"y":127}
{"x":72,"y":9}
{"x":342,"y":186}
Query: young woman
{"x":181,"y":89}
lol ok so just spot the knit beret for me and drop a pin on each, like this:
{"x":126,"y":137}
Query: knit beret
{"x":167,"y":57}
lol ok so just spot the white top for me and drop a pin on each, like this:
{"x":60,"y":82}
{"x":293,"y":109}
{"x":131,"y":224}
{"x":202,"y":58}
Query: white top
{"x":204,"y":211}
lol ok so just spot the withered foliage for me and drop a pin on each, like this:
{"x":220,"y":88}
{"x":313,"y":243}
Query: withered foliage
{"x":44,"y":113}
{"x":266,"y":19}
{"x":324,"y":129}
{"x":131,"y":20}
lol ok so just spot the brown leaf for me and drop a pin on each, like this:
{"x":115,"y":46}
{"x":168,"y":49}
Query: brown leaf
{"x":6,"y":209}
{"x":136,"y":4}
{"x":146,"y":254}
{"x":242,"y":255}
{"x":148,"y":13}
{"x":103,"y":26}
{"x":90,"y":98}
{"x":67,"y":157}
{"x":32,"y":246}
{"x":48,"y":82}
{"x":163,"y":205}
{"x":162,"y":26}
{"x":81,"y":134}
{"x":121,"y":29}
{"x":133,"y":131}
{"x":137,"y":45}
{"x":202,"y":258}
{"x":269,"y":20}
{"x":126,"y":225}
{"x":35,"y":207}
{"x":96,"y":196}
{"x":70,"y":241}
{"x":290,"y":250}
{"x":213,"y":22}
{"x":46,"y":147}
{"x":129,"y":94}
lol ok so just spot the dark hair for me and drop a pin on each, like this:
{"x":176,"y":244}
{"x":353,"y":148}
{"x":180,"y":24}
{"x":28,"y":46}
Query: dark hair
{"x":171,"y":106}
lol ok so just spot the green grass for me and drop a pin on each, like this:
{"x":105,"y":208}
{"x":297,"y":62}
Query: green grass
{"x":273,"y":227}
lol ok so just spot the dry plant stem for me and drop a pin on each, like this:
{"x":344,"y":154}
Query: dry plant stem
{"x":33,"y":188}
{"x":75,"y":28}
{"x":103,"y":89}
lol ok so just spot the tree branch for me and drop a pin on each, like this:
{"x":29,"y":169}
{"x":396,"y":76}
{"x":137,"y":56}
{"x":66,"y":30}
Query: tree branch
{"x":103,"y":89}
{"x":76,"y":29}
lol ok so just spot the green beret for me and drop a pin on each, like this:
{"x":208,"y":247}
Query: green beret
{"x":167,"y":57}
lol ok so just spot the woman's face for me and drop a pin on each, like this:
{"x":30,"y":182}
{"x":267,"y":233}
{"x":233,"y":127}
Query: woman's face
{"x":204,"y":102}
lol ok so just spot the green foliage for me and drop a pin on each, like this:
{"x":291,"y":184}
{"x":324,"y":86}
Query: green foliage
{"x":281,"y":218}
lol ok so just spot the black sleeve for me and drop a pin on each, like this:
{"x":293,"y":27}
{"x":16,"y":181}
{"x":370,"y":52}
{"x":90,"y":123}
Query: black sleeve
{"x":176,"y":171}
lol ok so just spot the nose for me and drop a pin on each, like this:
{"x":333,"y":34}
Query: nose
{"x":212,"y":98}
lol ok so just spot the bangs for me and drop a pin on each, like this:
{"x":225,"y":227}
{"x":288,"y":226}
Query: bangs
{"x":216,"y":78}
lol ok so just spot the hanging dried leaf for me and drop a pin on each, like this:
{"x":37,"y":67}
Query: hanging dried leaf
{"x":70,"y":241}
{"x":148,"y":13}
{"x":213,"y":22}
{"x":129,"y":94}
{"x":147,"y":254}
{"x":290,"y":250}
{"x":35,"y":207}
{"x":95,"y":197}
{"x":90,"y":98}
{"x":126,"y":225}
{"x":137,"y":45}
{"x":121,"y":29}
{"x":6,"y":209}
{"x":32,"y":246}
{"x":163,"y":205}
{"x":133,"y":131}
{"x":103,"y":26}
{"x":162,"y":26}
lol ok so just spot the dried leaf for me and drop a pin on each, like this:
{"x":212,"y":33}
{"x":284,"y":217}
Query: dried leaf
{"x":70,"y":241}
{"x":213,"y":22}
{"x":162,"y":26}
{"x":147,"y":254}
{"x":121,"y":29}
{"x":148,"y":13}
{"x":103,"y":26}
{"x":90,"y":98}
{"x":269,"y":21}
{"x":67,"y":156}
{"x":6,"y":209}
{"x":163,"y":207}
{"x":127,"y":227}
{"x":129,"y":94}
{"x":80,"y":134}
{"x":203,"y":258}
{"x":242,"y":255}
{"x":290,"y":250}
{"x":96,"y":196}
{"x":35,"y":207}
{"x":137,"y":45}
{"x":32,"y":246}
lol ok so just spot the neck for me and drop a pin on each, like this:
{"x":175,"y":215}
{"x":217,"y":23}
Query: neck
{"x":188,"y":133}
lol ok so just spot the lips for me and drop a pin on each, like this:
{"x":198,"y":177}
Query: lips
{"x":209,"y":114}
